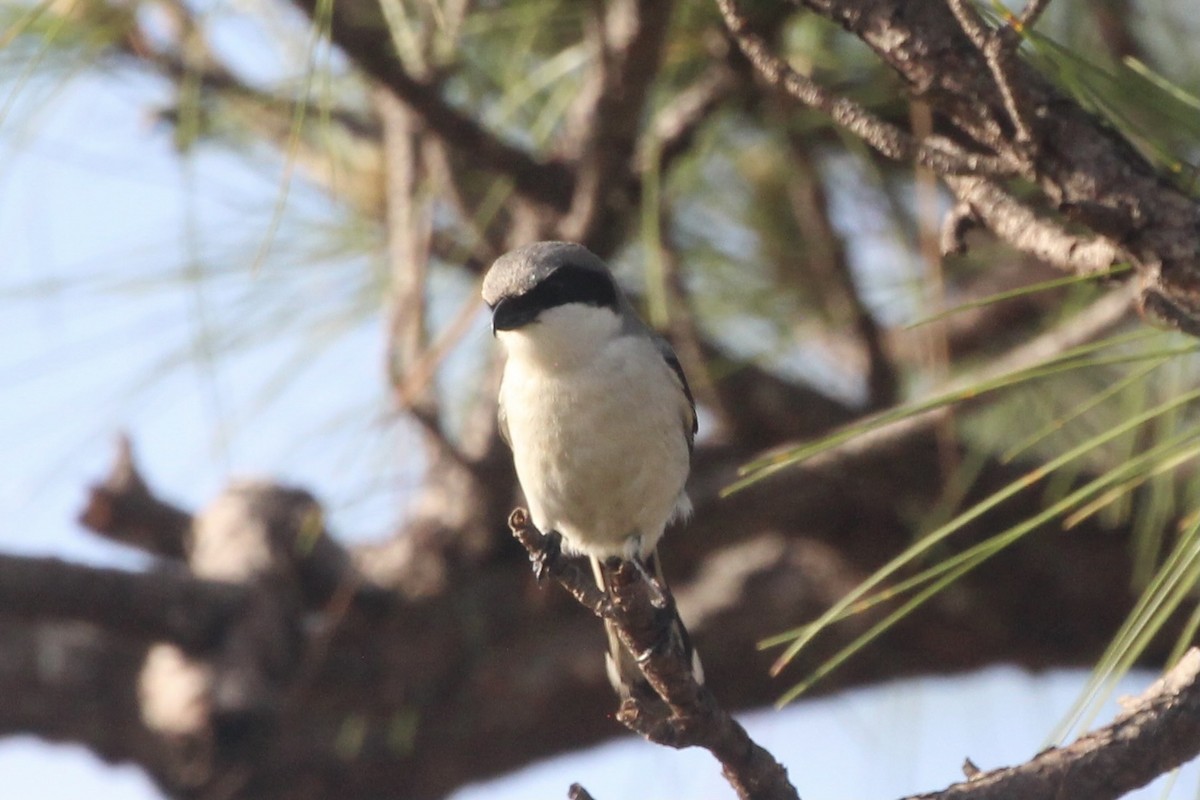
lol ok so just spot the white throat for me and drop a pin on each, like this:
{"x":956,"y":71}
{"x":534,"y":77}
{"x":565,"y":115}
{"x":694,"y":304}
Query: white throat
{"x":563,"y":338}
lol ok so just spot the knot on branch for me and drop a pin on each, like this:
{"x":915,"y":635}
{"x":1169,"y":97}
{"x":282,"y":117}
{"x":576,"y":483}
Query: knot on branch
{"x":262,"y":550}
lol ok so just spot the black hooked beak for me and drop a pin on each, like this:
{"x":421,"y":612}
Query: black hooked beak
{"x":511,"y":313}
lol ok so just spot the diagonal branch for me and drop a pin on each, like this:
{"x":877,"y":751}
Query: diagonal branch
{"x":359,"y":28}
{"x":696,"y":720}
{"x":999,"y":50}
{"x":1155,"y":734}
{"x":939,"y":155}
{"x":1084,"y":169}
{"x":676,"y":125}
{"x":1021,"y":228}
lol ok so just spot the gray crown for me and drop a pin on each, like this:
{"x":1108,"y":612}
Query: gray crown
{"x":519,"y":270}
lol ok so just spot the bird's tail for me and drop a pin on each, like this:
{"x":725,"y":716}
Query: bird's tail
{"x":624,"y":673}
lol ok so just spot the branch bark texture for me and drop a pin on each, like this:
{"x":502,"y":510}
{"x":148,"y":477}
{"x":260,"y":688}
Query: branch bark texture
{"x":1156,"y":733}
{"x":692,"y":715}
{"x":1085,"y":171}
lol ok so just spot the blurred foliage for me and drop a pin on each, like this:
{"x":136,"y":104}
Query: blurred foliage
{"x":1105,"y":429}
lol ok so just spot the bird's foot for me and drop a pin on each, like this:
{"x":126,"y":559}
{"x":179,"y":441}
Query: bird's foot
{"x":549,"y":552}
{"x":660,"y":595}
{"x":667,"y":637}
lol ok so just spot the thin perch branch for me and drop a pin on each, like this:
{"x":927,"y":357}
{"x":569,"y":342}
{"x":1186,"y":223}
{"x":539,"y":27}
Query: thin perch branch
{"x":1157,"y":732}
{"x":696,"y":720}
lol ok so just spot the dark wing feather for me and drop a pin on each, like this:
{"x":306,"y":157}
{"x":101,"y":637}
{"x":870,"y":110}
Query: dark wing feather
{"x":673,"y":362}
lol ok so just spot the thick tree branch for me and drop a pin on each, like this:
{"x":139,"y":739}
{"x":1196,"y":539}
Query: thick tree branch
{"x":942,"y":156}
{"x":1084,"y":169}
{"x":73,"y":682}
{"x":480,"y":662}
{"x":1156,"y":733}
{"x":1012,"y":221}
{"x":171,"y":606}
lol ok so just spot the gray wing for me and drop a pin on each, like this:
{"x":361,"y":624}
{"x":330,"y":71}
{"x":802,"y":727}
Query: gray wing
{"x":691,"y":424}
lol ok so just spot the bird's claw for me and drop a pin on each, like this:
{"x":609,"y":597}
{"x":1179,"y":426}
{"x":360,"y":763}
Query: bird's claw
{"x":550,"y":551}
{"x":660,"y":597}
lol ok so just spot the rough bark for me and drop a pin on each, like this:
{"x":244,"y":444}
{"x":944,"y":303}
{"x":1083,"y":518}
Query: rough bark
{"x":1086,"y":172}
{"x":1154,"y":734}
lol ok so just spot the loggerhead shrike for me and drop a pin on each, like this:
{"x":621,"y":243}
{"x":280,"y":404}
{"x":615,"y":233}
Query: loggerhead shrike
{"x":598,"y":414}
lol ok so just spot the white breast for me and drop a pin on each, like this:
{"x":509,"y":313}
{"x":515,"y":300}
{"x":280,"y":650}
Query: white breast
{"x":596,"y":422}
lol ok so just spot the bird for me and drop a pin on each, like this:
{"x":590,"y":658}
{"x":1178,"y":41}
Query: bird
{"x":600,"y":419}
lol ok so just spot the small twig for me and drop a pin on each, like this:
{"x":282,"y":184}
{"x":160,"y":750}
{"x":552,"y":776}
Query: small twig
{"x":937,"y":153}
{"x":675,"y":126}
{"x":970,"y":24}
{"x":123,"y":508}
{"x":959,"y":221}
{"x":999,"y":51}
{"x":1032,"y":13}
{"x":1022,"y":228}
{"x":419,"y":374}
{"x":695,"y":718}
{"x":483,"y":242}
{"x":577,"y":792}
